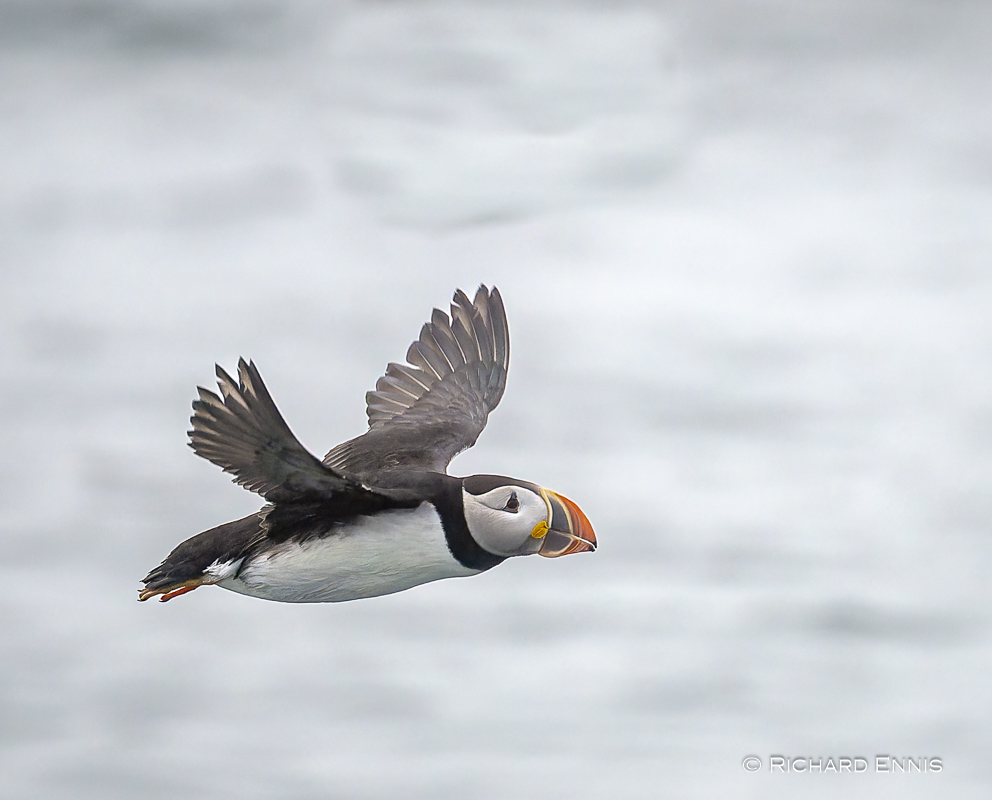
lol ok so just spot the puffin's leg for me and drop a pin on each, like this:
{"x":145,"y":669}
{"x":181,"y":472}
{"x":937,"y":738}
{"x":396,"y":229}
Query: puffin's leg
{"x":177,"y":592}
{"x":168,"y":592}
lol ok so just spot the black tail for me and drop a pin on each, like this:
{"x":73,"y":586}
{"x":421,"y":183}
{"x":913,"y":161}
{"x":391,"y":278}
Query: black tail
{"x":186,"y":565}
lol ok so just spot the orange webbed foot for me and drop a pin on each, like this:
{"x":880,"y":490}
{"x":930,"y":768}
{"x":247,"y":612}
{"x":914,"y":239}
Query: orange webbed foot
{"x":170,"y":591}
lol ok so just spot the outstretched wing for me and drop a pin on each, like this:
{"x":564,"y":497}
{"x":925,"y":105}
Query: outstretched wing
{"x":423,"y":413}
{"x":243,"y":432}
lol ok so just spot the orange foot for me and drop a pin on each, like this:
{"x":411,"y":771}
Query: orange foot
{"x":177,"y":592}
{"x":167,"y":594}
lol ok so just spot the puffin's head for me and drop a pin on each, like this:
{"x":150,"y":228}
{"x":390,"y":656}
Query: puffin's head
{"x":508,"y":517}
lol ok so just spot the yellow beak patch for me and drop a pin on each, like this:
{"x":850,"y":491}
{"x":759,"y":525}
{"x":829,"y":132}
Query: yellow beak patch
{"x":540,"y":530}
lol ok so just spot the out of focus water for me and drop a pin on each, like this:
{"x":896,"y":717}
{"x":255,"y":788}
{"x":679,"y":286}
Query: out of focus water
{"x":745,"y":251}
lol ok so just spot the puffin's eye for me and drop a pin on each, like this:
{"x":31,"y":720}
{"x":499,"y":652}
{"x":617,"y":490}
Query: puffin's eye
{"x":512,"y":504}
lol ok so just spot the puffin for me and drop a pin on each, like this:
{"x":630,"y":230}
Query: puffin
{"x":379,"y":514}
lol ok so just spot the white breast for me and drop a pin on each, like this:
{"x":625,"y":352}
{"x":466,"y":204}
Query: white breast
{"x":370,"y":556}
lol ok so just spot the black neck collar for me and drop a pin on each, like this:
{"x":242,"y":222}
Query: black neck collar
{"x":463,"y":547}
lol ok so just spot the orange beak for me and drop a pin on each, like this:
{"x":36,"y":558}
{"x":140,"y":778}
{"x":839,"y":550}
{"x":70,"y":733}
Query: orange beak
{"x":569,"y":530}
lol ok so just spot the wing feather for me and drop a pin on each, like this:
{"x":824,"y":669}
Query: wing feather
{"x":431,"y":350}
{"x":417,"y":359}
{"x":462,"y":328}
{"x":441,"y":331}
{"x":243,"y":433}
{"x":423,"y":413}
{"x":389,"y":383}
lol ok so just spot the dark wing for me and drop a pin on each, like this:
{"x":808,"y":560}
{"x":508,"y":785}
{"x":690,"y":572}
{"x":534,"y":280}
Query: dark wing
{"x":245,"y":434}
{"x":422,"y":414}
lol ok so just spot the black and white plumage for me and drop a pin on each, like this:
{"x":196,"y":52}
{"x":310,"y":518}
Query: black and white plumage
{"x":379,"y":514}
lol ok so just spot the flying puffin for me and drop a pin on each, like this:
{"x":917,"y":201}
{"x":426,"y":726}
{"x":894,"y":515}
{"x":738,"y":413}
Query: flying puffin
{"x":379,"y":514}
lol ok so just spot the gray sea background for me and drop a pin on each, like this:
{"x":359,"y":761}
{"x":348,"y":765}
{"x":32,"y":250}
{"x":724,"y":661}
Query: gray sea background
{"x":746,"y":254}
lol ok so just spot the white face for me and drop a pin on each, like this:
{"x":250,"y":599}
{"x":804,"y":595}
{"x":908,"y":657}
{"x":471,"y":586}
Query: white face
{"x":504,"y":521}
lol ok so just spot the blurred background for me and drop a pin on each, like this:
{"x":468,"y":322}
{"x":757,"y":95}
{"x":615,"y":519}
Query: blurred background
{"x":745,"y":253}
